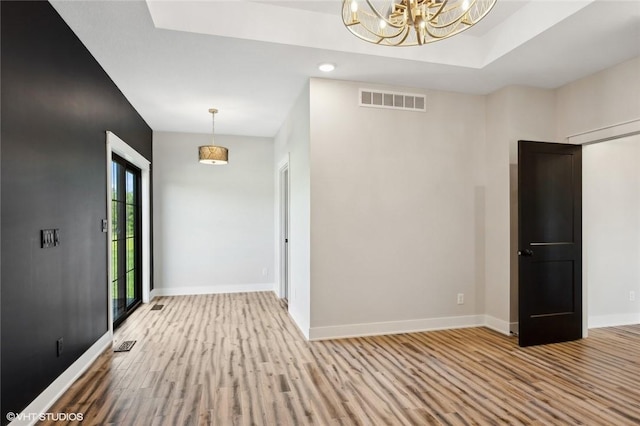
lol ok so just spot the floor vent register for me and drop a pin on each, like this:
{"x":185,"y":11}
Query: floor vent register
{"x":125,"y":346}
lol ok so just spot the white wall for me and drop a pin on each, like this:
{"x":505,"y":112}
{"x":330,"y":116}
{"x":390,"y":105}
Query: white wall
{"x":292,"y":140}
{"x":497,"y":212}
{"x":213,"y":225}
{"x":603,"y":99}
{"x":393,"y":212}
{"x":514,"y":113}
{"x":611,"y":215}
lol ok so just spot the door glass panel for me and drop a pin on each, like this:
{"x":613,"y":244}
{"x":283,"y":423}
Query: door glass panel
{"x":131,"y":292}
{"x":116,"y":306}
{"x":126,"y":286}
{"x":131,"y":255}
{"x":131,"y":220}
{"x":130,"y":187}
{"x":115,"y":229}
{"x":115,"y":177}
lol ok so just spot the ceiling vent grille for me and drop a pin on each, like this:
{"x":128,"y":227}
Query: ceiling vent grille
{"x":393,"y":100}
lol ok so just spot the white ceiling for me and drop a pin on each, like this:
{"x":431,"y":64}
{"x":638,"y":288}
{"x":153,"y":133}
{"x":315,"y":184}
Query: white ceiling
{"x":176,"y":59}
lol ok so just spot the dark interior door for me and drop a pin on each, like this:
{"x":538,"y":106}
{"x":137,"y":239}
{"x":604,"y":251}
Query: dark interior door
{"x":550,"y":242}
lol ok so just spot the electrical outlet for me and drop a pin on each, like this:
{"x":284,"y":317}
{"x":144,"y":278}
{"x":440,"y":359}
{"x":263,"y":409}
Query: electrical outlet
{"x":460,"y":298}
{"x":59,"y":346}
{"x":632,"y":296}
{"x":265,"y":272}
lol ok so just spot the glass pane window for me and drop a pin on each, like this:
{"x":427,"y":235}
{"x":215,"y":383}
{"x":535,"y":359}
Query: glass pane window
{"x":130,"y":187}
{"x":115,"y":177}
{"x":115,"y":228}
{"x":131,"y":289}
{"x":126,"y":244}
{"x":131,"y":220}
{"x":131,"y":254}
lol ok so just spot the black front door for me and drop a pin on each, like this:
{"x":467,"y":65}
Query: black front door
{"x":550,"y":242}
{"x":126,"y":249}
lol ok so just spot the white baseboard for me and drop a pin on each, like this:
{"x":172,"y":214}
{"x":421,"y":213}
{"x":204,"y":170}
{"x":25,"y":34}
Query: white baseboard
{"x":613,"y":320}
{"x":214,"y":289}
{"x":498,"y":325}
{"x":152,"y":295}
{"x":50,"y":395}
{"x":394,"y":327}
{"x":301,"y":325}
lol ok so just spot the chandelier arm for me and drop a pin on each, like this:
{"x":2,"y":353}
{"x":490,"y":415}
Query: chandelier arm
{"x":451,"y":26}
{"x":376,"y":13}
{"x":361,"y":23}
{"x":439,"y":11}
{"x":445,"y":26}
{"x":387,"y":42}
{"x":406,"y":34}
{"x":461,"y":17}
{"x":450,"y":23}
{"x":390,"y":41}
{"x":449,"y":18}
{"x":437,"y":36}
{"x":383,"y":36}
{"x":377,"y":34}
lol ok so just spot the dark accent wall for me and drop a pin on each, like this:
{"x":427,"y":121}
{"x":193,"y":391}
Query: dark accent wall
{"x":57,"y":103}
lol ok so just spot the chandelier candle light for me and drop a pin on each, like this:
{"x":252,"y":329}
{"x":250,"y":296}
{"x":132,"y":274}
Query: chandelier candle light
{"x":411,"y":22}
{"x":213,"y":154}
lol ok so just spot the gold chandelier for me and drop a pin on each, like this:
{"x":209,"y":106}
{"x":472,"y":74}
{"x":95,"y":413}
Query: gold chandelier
{"x":213,"y":154}
{"x":411,"y":22}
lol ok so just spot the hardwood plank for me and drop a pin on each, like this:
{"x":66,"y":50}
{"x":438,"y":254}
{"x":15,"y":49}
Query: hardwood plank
{"x":232,"y":359}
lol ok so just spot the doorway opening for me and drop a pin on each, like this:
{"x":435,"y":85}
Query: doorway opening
{"x":603,"y":304}
{"x":611,"y":197}
{"x":126,"y":238}
{"x":136,"y":162}
{"x":283,"y":175}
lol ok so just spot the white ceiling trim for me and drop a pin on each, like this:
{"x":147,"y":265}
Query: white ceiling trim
{"x":528,"y":22}
{"x":296,"y":26}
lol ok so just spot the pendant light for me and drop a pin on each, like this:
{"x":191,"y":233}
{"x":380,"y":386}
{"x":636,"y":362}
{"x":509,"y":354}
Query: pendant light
{"x":213,"y":154}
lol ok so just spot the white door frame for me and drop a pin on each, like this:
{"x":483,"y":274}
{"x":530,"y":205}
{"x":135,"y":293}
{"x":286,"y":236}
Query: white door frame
{"x":118,"y":146}
{"x":283,"y":277}
{"x":603,"y":134}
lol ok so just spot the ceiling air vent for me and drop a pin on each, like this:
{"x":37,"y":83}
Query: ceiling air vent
{"x":393,"y":100}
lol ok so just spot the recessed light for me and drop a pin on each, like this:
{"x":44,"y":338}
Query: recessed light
{"x":326,"y":67}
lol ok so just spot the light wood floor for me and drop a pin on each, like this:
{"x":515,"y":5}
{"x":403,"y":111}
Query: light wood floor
{"x":239,"y":359}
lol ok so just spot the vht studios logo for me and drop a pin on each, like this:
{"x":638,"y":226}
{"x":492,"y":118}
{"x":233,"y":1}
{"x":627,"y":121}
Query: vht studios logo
{"x":51,"y":417}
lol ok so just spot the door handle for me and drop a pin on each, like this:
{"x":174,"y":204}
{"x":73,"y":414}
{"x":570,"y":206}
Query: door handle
{"x":525,"y":252}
